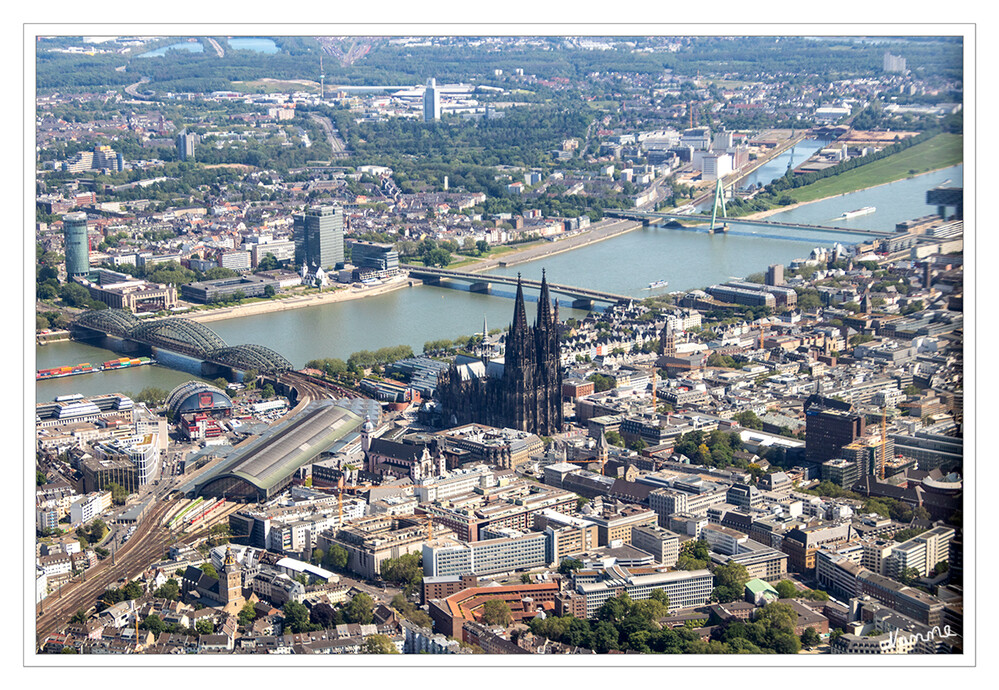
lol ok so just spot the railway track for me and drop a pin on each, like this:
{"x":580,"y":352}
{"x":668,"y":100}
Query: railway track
{"x":145,"y":547}
{"x":316,"y":389}
{"x":149,"y":538}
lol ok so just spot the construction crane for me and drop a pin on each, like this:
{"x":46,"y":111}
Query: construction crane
{"x":884,"y":443}
{"x":764,"y":328}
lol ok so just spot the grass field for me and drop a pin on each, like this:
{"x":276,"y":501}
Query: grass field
{"x":461,"y":261}
{"x":273,"y":86}
{"x":942,"y":151}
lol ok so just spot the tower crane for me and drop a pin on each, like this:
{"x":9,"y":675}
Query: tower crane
{"x":884,"y":442}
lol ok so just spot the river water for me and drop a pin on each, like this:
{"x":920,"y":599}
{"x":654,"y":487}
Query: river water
{"x":625,"y":265}
{"x":68,"y":353}
{"x":773,"y":169}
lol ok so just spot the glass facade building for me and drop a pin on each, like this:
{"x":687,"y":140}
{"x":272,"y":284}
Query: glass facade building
{"x":77,"y":244}
{"x":318,"y":237}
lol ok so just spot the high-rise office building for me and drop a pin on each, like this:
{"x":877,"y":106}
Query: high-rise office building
{"x":382,"y":258}
{"x":74,"y":227}
{"x":105,"y":157}
{"x":829,"y":425}
{"x":186,"y":144}
{"x":431,"y":102}
{"x":318,"y":234}
{"x":775,"y":275}
{"x":893,"y":63}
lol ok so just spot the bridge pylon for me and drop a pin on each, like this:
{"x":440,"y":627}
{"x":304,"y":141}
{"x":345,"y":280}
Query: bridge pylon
{"x":719,"y":199}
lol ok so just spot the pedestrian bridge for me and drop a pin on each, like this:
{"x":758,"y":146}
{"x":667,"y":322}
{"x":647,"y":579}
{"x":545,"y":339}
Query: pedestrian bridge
{"x":179,"y":335}
{"x":582,"y":298}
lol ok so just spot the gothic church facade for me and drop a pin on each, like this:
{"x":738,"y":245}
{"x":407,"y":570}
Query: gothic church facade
{"x":527,"y":395}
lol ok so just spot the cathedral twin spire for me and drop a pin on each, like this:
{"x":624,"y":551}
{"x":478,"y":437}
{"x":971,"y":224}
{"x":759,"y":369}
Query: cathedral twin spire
{"x":528,"y":395}
{"x":545,"y":321}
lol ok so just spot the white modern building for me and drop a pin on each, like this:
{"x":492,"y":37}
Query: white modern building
{"x":455,"y":483}
{"x":715,"y":166}
{"x":684,"y":588}
{"x":88,"y":507}
{"x":723,"y":539}
{"x":444,"y":557}
{"x":921,"y":553}
{"x":143,"y":451}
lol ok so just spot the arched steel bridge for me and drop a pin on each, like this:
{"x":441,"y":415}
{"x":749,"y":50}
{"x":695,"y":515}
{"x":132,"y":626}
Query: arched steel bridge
{"x":181,"y":335}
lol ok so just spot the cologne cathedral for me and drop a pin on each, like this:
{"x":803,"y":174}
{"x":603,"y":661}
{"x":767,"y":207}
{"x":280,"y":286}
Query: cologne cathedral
{"x":525,"y":393}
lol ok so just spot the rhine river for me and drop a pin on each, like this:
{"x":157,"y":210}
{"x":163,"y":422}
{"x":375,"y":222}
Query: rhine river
{"x":625,"y":264}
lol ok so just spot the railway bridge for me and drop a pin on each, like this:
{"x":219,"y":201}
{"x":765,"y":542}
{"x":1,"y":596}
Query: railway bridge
{"x":181,"y":336}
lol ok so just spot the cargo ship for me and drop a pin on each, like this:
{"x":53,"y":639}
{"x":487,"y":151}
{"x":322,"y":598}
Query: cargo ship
{"x":87,"y":368}
{"x":59,"y":372}
{"x":859,"y":212}
{"x":126,"y":362}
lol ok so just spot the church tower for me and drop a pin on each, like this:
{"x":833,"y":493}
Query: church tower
{"x":519,"y":367}
{"x":549,"y":365}
{"x":230,"y":579}
{"x":528,"y":394}
{"x":602,"y":450}
{"x":667,"y":342}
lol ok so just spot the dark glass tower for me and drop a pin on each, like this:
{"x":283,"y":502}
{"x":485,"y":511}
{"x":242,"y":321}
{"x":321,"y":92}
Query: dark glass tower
{"x":318,"y":237}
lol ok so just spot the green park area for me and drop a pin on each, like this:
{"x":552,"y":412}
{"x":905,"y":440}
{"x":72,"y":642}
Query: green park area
{"x":941,"y":151}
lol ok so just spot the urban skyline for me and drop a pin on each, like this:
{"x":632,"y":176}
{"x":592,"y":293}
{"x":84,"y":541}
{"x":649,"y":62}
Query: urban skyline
{"x":670,"y":460}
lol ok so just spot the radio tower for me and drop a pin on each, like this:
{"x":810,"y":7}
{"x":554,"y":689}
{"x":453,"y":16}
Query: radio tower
{"x":322,"y":79}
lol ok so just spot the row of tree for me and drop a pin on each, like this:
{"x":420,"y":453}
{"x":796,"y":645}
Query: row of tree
{"x":626,"y":625}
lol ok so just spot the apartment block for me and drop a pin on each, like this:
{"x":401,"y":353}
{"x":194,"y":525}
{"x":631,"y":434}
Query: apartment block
{"x":663,"y":544}
{"x":666,"y":502}
{"x":921,"y":553}
{"x":448,"y":557}
{"x":801,"y":544}
{"x":618,"y":525}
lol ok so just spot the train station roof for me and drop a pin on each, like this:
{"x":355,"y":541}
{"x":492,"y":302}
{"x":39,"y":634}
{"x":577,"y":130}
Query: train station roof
{"x":278,"y":453}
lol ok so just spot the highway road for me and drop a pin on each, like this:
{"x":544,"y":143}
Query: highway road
{"x":217,"y":47}
{"x":337,"y":144}
{"x":131,"y":88}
